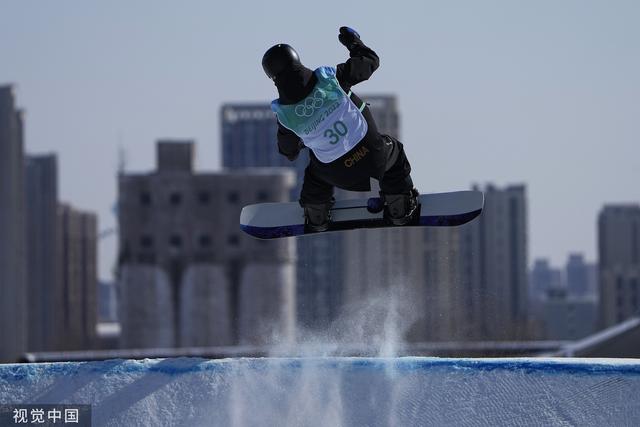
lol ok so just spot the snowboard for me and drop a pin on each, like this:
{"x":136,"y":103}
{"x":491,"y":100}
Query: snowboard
{"x":275,"y":220}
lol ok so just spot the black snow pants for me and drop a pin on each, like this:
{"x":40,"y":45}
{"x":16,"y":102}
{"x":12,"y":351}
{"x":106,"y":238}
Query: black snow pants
{"x":381,"y":157}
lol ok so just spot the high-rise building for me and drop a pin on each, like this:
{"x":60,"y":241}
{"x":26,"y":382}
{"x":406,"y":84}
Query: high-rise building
{"x":337,"y":270}
{"x":384,"y":258}
{"x":187,"y":275}
{"x":494,"y":265}
{"x":562,"y":305}
{"x":593,"y":281}
{"x":619,"y":263}
{"x":545,"y":282}
{"x":567,"y":317}
{"x":440,"y":295}
{"x":249,"y":141}
{"x":77,"y":271}
{"x":42,"y":233}
{"x":544,"y":278}
{"x":577,"y":276}
{"x":249,"y":136}
{"x":13,"y":282}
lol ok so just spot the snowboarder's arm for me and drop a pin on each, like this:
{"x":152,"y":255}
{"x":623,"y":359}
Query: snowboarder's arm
{"x":362,"y":61}
{"x":289,"y":144}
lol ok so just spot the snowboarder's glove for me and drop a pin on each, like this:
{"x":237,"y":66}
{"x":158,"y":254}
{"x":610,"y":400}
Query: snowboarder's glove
{"x":348,"y":37}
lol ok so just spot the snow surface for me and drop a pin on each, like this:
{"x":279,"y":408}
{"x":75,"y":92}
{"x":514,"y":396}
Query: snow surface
{"x":336,"y":391}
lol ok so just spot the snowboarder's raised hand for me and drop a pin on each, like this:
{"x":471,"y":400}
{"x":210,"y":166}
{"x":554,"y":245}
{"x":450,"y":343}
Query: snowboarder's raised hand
{"x":348,"y":37}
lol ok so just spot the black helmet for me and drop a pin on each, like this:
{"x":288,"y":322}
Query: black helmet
{"x":279,"y":58}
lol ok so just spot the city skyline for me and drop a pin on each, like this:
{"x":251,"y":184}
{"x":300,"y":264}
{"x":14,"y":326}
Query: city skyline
{"x":493,"y":94}
{"x":107,"y":267}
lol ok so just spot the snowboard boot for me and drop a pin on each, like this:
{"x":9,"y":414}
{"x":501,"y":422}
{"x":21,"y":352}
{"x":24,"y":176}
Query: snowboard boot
{"x":317,"y":216}
{"x":400,"y":209}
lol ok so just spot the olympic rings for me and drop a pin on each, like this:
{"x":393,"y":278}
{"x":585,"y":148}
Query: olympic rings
{"x":310,"y":104}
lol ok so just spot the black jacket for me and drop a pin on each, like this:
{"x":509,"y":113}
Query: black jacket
{"x":298,"y":84}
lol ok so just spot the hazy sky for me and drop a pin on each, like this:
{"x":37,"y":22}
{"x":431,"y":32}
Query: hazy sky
{"x":545,"y":93}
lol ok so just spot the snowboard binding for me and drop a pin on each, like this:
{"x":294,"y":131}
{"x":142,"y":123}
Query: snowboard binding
{"x":317,"y":216}
{"x":401,"y":209}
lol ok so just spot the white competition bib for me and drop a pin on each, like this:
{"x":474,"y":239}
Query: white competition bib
{"x":327,"y":121}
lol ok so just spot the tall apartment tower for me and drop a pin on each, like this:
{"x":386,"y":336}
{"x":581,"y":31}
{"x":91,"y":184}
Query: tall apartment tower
{"x":578,"y":280}
{"x":494,"y":266}
{"x":562,"y":306}
{"x":544,"y":278}
{"x":334,"y":270}
{"x":619,"y":254}
{"x":77,"y":243}
{"x":42,"y":236}
{"x":13,"y":282}
{"x":397,"y":260}
{"x":187,"y":275}
{"x":249,"y":140}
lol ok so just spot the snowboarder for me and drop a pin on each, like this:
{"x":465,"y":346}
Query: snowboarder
{"x":318,"y":110}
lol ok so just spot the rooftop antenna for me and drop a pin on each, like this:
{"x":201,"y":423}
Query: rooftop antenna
{"x":122,"y":155}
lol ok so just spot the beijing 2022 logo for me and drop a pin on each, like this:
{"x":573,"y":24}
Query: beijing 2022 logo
{"x":311,"y":104}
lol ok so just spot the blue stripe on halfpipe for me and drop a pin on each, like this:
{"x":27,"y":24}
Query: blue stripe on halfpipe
{"x":336,"y":391}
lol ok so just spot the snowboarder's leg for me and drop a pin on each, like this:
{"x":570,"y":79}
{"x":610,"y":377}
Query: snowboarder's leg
{"x":396,"y":186}
{"x":316,"y":198}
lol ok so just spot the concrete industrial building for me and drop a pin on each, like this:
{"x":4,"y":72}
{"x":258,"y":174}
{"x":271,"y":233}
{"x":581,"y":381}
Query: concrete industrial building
{"x":619,"y":263}
{"x":13,"y":281}
{"x":45,"y":294}
{"x":494,"y":266}
{"x":187,"y":275}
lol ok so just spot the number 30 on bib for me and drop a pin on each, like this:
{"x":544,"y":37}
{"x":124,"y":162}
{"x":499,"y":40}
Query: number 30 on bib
{"x":338,"y":130}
